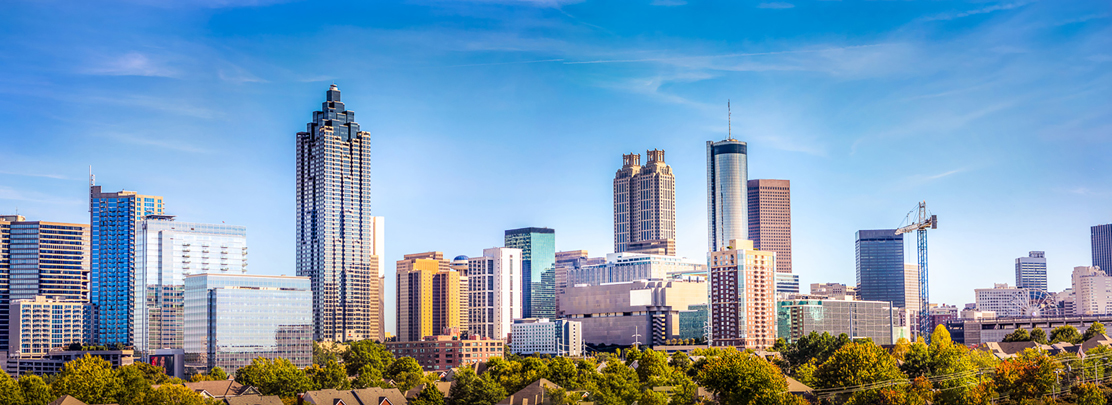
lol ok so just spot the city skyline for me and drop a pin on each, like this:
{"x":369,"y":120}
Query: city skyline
{"x":863,"y":173}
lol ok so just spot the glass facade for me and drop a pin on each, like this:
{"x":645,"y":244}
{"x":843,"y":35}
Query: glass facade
{"x":1102,"y":247}
{"x":880,"y":267}
{"x":114,"y":224}
{"x":168,"y":251}
{"x":858,"y":319}
{"x":693,"y":322}
{"x":786,"y":283}
{"x":232,"y":319}
{"x":538,"y":259}
{"x":727,"y":198}
{"x":338,"y":242}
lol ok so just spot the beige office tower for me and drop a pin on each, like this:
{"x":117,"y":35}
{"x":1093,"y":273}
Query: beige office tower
{"x":645,"y":206}
{"x":459,"y":264}
{"x":338,"y":242}
{"x":428,"y":296}
{"x":911,"y":290}
{"x":770,"y":219}
{"x":742,"y":296}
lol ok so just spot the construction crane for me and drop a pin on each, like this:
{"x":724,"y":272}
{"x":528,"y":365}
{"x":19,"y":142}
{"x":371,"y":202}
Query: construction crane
{"x":925,"y":222}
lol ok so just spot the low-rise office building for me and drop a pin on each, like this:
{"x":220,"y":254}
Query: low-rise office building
{"x":973,"y":331}
{"x":628,"y":266}
{"x":656,"y":310}
{"x":445,"y":352}
{"x":858,"y":319}
{"x":543,"y":336}
{"x":53,"y":361}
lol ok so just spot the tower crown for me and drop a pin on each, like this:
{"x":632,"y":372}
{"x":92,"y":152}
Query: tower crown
{"x":631,"y":159}
{"x":656,"y":155}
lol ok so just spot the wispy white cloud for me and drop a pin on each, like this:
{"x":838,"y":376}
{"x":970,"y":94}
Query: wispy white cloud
{"x":946,"y":174}
{"x":507,"y":63}
{"x":129,"y":64}
{"x":983,"y":10}
{"x":11,"y":194}
{"x":669,"y":3}
{"x":235,"y":74}
{"x":43,"y":175}
{"x":150,"y":140}
{"x":776,"y":5}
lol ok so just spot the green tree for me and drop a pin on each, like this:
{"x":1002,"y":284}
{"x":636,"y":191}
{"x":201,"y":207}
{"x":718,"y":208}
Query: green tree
{"x":152,"y":373}
{"x":428,"y":396}
{"x":366,"y":352}
{"x":1096,"y":329}
{"x":680,"y":362}
{"x":1018,"y":335}
{"x":133,"y":385}
{"x":653,"y":364}
{"x":901,"y":348}
{"x":616,"y":385}
{"x":406,"y":373}
{"x":813,"y":346}
{"x":1088,"y":394}
{"x":560,"y":396}
{"x":632,"y":354}
{"x":173,"y":394}
{"x":1038,"y":335}
{"x":562,"y":371}
{"x":741,"y":378}
{"x":274,"y":377}
{"x":89,"y":379}
{"x":35,"y":390}
{"x":857,"y":363}
{"x":951,"y":360}
{"x":917,"y":361}
{"x":650,"y":397}
{"x":1026,"y":377}
{"x":1066,"y":334}
{"x":369,"y":377}
{"x":10,"y":391}
{"x":470,"y":389}
{"x":329,"y":376}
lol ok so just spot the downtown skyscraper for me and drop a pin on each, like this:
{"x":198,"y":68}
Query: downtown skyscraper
{"x":645,"y":205}
{"x":1102,"y":247}
{"x":339,"y":244}
{"x":1030,"y":272}
{"x":115,"y":220}
{"x":538,"y":269}
{"x":727,"y":198}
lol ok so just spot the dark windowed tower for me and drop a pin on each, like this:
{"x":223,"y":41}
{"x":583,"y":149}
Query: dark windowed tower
{"x":1102,"y":247}
{"x":339,"y":243}
{"x":881,"y":274}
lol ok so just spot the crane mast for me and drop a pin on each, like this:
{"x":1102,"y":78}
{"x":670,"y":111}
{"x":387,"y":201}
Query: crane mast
{"x":924,"y":222}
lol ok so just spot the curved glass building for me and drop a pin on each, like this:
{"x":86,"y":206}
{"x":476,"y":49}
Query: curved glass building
{"x":727,"y":197}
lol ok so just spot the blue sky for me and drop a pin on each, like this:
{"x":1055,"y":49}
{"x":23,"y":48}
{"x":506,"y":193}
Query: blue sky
{"x":491,"y":115}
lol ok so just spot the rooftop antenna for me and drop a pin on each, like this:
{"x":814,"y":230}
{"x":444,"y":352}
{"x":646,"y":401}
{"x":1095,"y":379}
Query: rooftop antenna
{"x":729,"y":121}
{"x":92,"y":177}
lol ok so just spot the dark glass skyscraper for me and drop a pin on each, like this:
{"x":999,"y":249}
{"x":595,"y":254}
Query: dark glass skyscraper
{"x":1102,"y":247}
{"x":339,"y":243}
{"x":727,"y":198}
{"x":880,"y":267}
{"x":114,"y":223}
{"x":538,"y":269}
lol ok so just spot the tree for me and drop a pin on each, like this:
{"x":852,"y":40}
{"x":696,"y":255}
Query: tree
{"x":274,"y":377}
{"x":948,"y":359}
{"x":1066,"y":334}
{"x":35,"y":390}
{"x":680,"y":362}
{"x":152,"y":373}
{"x":1038,"y":335}
{"x":652,"y":364}
{"x":330,"y":376}
{"x":133,"y":385}
{"x":89,"y":379}
{"x":1028,"y":376}
{"x":369,"y":377}
{"x":217,"y":374}
{"x":1096,"y":329}
{"x":173,"y":394}
{"x":917,"y":361}
{"x":650,"y":397}
{"x":562,"y":371}
{"x":616,"y":385}
{"x":470,"y":389}
{"x":741,"y":378}
{"x":406,"y":373}
{"x":1088,"y":394}
{"x":857,"y":363}
{"x":428,"y":396}
{"x":10,"y":392}
{"x":901,"y":348}
{"x":1018,"y":335}
{"x":366,"y":352}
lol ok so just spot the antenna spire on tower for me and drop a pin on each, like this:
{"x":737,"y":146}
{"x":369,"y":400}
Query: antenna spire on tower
{"x":729,"y":121}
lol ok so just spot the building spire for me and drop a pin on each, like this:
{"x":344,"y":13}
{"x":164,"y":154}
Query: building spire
{"x":729,"y":121}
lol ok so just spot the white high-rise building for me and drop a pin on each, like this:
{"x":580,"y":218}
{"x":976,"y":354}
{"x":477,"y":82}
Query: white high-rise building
{"x":495,"y":291}
{"x":166,"y":252}
{"x":1004,"y":300}
{"x":543,"y":336}
{"x":1092,"y":289}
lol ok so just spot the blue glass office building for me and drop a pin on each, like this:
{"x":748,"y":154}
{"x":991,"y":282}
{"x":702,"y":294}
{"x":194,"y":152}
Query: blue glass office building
{"x":1102,"y":247}
{"x":114,"y":221}
{"x":880,"y":266}
{"x":538,"y":268}
{"x":727,"y":195}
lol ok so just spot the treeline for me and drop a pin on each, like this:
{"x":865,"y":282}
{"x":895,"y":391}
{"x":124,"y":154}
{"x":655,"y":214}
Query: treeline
{"x":92,"y":380}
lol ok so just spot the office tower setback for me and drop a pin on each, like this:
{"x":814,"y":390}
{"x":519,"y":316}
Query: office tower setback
{"x":339,"y":244}
{"x":41,"y":259}
{"x":1030,"y":272}
{"x":623,"y":267}
{"x":538,"y":265}
{"x":231,"y":319}
{"x":742,"y":296}
{"x":542,"y":336}
{"x":114,"y":222}
{"x":727,"y":206}
{"x":858,"y":319}
{"x":1102,"y":247}
{"x":496,"y":292}
{"x":568,"y":261}
{"x":836,"y":291}
{"x":645,"y":205}
{"x":770,"y":220}
{"x":616,"y":313}
{"x":429,"y":296}
{"x":166,"y":252}
{"x":881,"y":272}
